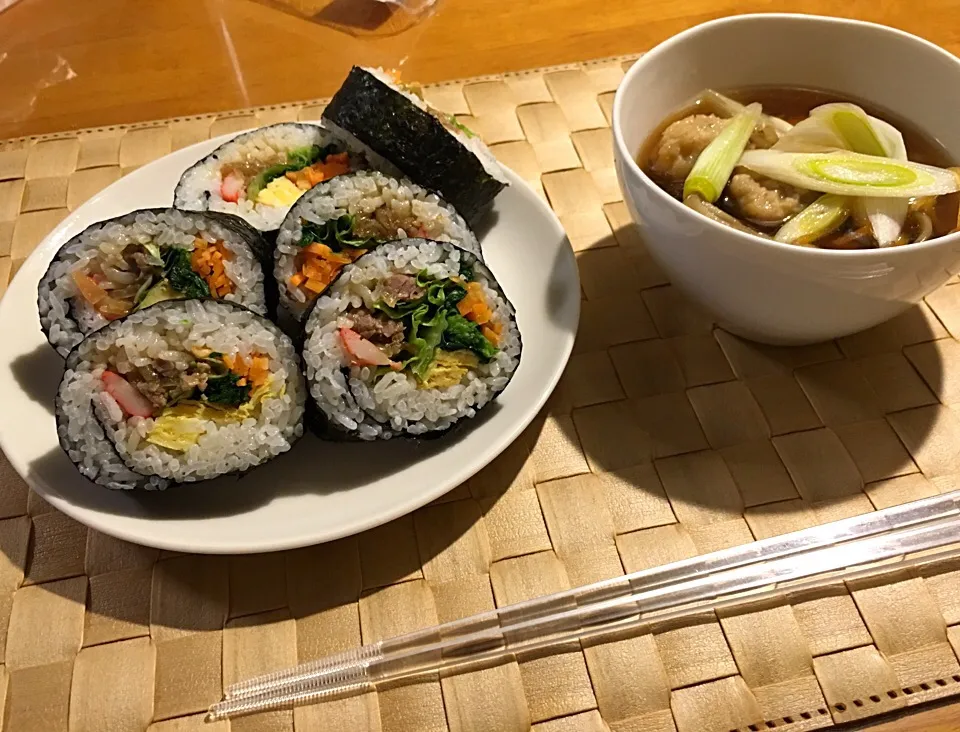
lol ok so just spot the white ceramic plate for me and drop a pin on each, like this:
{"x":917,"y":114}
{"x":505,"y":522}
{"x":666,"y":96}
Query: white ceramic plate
{"x":318,"y":491}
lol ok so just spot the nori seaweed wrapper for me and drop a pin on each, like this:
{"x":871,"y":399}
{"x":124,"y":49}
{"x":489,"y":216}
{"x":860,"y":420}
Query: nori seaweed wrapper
{"x":414,"y":141}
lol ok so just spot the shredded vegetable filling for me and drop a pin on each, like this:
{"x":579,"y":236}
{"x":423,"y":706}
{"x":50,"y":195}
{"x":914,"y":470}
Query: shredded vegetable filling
{"x":122,"y":278}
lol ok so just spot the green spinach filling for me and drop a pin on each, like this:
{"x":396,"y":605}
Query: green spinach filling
{"x":433,"y":322}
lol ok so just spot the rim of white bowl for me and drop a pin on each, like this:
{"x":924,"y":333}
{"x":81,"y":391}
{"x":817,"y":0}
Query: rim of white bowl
{"x":750,"y":239}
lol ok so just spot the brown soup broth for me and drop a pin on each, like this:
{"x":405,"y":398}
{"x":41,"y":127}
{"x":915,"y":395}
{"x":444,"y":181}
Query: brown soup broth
{"x":793,"y":104}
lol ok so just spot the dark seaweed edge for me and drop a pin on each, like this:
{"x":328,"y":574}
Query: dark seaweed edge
{"x":461,"y":421}
{"x":74,"y":358}
{"x":248,"y":234}
{"x":413,"y":140}
{"x":268,"y":234}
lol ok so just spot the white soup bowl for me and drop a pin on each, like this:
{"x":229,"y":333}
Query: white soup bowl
{"x":765,"y":290}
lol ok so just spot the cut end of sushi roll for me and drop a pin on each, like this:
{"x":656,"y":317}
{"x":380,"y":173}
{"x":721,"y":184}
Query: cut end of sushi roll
{"x":122,"y":265}
{"x":412,"y":338}
{"x":429,"y":147}
{"x":259,"y":174}
{"x":179,"y":392}
{"x":340,"y":220}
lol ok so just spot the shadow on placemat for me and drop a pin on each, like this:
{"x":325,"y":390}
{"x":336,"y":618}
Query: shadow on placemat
{"x":762,"y":424}
{"x":203,"y":592}
{"x":347,"y":465}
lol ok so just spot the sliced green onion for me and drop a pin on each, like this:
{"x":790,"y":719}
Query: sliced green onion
{"x":812,"y":134}
{"x":893,"y":139}
{"x":862,"y":133}
{"x":713,"y":168}
{"x":731,"y":108}
{"x":886,"y":217}
{"x":852,"y":174}
{"x":822,"y":217}
{"x":855,"y":128}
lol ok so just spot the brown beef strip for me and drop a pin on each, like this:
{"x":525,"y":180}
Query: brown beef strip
{"x":386,"y":333}
{"x":399,"y":287}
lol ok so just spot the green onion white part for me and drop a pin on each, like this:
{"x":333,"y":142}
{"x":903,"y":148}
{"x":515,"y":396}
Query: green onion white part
{"x":731,"y":108}
{"x":852,"y":174}
{"x":713,"y":168}
{"x":822,"y":217}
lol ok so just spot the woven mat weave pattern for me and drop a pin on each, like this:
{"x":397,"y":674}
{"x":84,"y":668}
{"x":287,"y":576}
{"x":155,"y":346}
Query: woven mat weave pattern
{"x":666,"y":438}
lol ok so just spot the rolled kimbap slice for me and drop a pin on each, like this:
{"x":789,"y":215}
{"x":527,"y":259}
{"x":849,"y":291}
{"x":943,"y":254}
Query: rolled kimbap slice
{"x":259,"y":174}
{"x":179,"y":392}
{"x":122,"y":265}
{"x":428,"y":146}
{"x":411,"y":338}
{"x":336,"y":222}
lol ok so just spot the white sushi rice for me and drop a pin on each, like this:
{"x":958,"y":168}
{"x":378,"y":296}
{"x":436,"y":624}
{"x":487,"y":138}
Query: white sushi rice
{"x":350,"y":398}
{"x":67,"y":318}
{"x":111,"y":448}
{"x":361,"y":194}
{"x":473,"y":143}
{"x":199,"y":187}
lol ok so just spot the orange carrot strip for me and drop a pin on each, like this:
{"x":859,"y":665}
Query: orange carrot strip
{"x":325,"y":252}
{"x":315,"y":285}
{"x":89,"y":290}
{"x":490,"y":335}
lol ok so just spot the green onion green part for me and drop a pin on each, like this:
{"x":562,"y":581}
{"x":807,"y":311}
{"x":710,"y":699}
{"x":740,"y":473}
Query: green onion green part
{"x":855,"y":128}
{"x":822,"y":217}
{"x":851,"y":174}
{"x":713,"y":168}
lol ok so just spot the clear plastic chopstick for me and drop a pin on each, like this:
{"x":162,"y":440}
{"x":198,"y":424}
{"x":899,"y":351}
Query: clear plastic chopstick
{"x":772,"y":568}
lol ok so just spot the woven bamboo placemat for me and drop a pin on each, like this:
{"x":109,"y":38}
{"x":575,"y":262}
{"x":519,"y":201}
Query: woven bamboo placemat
{"x":667,"y":438}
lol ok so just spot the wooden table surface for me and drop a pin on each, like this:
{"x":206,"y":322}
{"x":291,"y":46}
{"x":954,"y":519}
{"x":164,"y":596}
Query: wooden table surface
{"x":66,"y":64}
{"x":148,"y":59}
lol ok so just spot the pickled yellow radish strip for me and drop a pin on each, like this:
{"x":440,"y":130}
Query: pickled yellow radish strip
{"x":712,"y":170}
{"x":851,"y":174}
{"x":822,"y":217}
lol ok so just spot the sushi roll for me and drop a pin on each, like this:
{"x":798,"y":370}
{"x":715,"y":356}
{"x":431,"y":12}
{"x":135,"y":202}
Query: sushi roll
{"x":412,"y":338}
{"x":336,"y":222}
{"x":179,"y":392}
{"x":121,"y":265}
{"x":259,"y":174}
{"x":429,"y":147}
